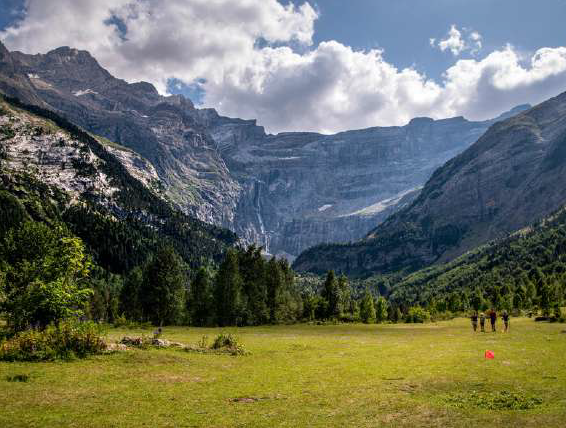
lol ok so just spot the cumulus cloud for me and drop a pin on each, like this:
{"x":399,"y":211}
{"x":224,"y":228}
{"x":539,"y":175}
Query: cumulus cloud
{"x":256,"y":59}
{"x":458,"y":41}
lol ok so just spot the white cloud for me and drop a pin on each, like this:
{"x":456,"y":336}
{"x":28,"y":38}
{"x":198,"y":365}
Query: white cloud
{"x":453,"y":42}
{"x":458,"y":41}
{"x":285,"y":82}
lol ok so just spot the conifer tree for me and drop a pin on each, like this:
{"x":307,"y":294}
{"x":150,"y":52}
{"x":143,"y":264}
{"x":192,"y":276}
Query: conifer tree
{"x":201,"y":307}
{"x":331,"y":295}
{"x":367,"y":308}
{"x":345,"y":295}
{"x":228,"y":291}
{"x":164,"y":287}
{"x":130,"y":299}
{"x":275,"y":283}
{"x":253,"y":272}
{"x":381,"y":309}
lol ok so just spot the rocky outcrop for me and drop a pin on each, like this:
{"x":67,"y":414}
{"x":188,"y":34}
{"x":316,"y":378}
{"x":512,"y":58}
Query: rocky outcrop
{"x":286,"y":192}
{"x":512,"y":176}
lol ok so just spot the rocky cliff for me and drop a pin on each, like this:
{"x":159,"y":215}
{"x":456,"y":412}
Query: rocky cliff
{"x":286,"y":192}
{"x":512,"y":176}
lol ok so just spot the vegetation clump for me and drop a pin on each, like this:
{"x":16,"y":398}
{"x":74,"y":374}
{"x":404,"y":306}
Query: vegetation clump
{"x":417,"y":314}
{"x":66,"y":341}
{"x":228,"y":343}
{"x":502,"y":400}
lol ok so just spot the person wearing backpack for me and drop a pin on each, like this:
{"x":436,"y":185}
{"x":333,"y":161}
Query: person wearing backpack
{"x":493,"y":319}
{"x":482,"y":322}
{"x":474,"y":319}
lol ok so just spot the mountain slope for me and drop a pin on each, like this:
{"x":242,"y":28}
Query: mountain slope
{"x":54,"y":172}
{"x":534,"y":255}
{"x":512,"y":176}
{"x":285,"y":192}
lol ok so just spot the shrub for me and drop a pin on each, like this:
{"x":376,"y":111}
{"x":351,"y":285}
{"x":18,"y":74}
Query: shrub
{"x":67,"y":341}
{"x":228,"y":343}
{"x":122,"y":322}
{"x":417,"y":314}
{"x":6,"y":132}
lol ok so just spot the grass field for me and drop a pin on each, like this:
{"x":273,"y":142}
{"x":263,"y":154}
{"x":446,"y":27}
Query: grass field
{"x":303,"y":375}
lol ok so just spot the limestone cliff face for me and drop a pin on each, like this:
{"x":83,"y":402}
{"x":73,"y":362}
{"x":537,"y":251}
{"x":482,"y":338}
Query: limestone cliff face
{"x":512,"y":176}
{"x":286,"y":192}
{"x":300,"y":189}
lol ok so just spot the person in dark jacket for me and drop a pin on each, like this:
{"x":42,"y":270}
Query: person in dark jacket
{"x":474,"y":319}
{"x":493,"y":319}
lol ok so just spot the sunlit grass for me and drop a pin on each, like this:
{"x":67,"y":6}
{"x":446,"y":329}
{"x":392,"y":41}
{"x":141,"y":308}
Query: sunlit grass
{"x":303,"y":375}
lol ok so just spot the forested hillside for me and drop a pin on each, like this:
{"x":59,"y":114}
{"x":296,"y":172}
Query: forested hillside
{"x":58,"y":183}
{"x":525,"y":270}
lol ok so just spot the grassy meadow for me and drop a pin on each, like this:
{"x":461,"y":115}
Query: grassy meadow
{"x":305,"y":375}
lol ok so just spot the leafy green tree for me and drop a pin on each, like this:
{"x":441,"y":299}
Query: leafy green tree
{"x":477,"y":300}
{"x":228,"y":291}
{"x":45,"y":276}
{"x":546,"y":298}
{"x":163,"y":288}
{"x":105,"y":300}
{"x":531,"y":295}
{"x":367,"y":308}
{"x":381,"y":309}
{"x":201,"y":303}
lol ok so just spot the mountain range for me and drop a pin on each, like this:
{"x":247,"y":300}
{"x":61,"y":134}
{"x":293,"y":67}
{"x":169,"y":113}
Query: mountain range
{"x":285,"y":192}
{"x":513,"y":176}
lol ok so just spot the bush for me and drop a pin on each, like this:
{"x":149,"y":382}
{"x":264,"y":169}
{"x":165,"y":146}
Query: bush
{"x":122,"y":322}
{"x":228,"y":343}
{"x":417,"y":314}
{"x":67,"y":341}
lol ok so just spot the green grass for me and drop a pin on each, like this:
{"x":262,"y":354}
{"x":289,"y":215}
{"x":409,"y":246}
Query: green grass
{"x":313,"y":376}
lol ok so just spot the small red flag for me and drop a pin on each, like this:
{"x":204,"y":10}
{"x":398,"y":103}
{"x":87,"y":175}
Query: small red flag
{"x":489,"y":355}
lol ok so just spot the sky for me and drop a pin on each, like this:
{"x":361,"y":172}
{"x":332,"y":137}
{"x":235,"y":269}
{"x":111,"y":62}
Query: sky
{"x":316,"y":65}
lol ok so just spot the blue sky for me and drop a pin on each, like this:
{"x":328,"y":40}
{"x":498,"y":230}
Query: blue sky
{"x":403,"y":27}
{"x":320,"y":65}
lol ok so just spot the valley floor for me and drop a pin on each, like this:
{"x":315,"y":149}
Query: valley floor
{"x":303,"y":375}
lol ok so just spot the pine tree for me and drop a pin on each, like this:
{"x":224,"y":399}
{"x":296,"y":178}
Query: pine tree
{"x":367,"y":308}
{"x":164,"y":287}
{"x":201,"y":307}
{"x":130,"y":299}
{"x":228,"y":291}
{"x":345,"y":295}
{"x":331,"y":295}
{"x":253,"y":271}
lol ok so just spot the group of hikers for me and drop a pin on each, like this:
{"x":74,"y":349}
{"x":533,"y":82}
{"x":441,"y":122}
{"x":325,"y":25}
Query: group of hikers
{"x":492,"y":315}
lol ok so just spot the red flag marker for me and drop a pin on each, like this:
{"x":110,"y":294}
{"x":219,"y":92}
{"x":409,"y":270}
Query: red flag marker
{"x":489,"y":355}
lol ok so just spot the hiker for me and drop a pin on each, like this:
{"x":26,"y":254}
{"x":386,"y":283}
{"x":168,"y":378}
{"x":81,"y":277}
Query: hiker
{"x":475,"y":320}
{"x":493,"y":318}
{"x":482,"y":322}
{"x":505,"y":317}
